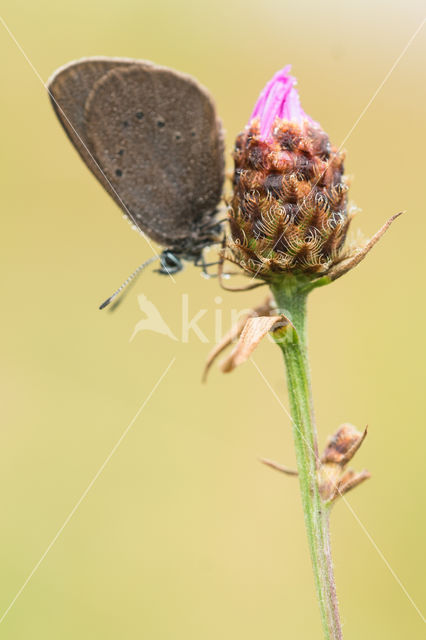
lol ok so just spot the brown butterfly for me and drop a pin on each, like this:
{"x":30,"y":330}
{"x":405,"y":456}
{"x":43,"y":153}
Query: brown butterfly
{"x":152,"y":138}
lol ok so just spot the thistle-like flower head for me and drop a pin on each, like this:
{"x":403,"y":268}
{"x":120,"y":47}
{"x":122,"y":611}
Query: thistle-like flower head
{"x":289,"y":212}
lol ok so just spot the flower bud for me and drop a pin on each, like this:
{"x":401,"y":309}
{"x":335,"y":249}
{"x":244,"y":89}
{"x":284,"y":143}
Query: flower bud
{"x":289,"y":212}
{"x":289,"y":208}
{"x":333,"y":479}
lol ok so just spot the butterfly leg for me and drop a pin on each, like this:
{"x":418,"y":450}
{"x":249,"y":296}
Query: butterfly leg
{"x":221,"y":275}
{"x":201,"y":262}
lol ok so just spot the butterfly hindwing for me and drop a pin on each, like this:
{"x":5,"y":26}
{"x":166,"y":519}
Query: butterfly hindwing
{"x":160,"y":146}
{"x":152,"y":138}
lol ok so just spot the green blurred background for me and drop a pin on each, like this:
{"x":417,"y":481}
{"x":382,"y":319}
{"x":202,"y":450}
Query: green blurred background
{"x":185,"y":534}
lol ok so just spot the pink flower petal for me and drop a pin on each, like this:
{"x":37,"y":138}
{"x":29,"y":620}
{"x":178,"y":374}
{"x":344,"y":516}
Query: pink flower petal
{"x":279,"y":99}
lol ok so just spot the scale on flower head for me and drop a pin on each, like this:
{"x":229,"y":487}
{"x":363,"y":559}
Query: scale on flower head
{"x":152,"y":138}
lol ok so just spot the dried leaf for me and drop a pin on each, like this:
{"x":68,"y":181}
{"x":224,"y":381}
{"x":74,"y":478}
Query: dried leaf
{"x":351,"y":479}
{"x":235,"y":331}
{"x":254,"y":330}
{"x":279,"y":467}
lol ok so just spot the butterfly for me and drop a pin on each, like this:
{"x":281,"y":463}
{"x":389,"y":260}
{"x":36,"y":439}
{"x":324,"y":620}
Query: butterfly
{"x":152,"y":138}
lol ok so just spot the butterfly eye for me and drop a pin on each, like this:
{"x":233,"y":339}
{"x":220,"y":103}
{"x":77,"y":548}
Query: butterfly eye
{"x":170,"y":263}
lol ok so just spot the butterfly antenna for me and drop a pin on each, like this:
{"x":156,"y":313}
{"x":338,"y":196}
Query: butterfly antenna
{"x":140,"y":268}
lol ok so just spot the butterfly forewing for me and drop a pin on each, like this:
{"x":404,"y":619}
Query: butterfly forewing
{"x":152,"y":138}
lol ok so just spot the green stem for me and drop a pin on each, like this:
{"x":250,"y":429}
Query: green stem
{"x":291,"y":301}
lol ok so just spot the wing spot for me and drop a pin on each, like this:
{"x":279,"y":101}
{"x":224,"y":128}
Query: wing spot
{"x":118,"y":172}
{"x":161,"y":123}
{"x":140,"y":115}
{"x":125,"y":123}
{"x":178,"y":135}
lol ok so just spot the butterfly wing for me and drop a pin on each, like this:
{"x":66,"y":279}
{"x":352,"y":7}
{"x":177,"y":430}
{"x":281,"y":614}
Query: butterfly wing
{"x":69,"y":88}
{"x":152,"y":138}
{"x":156,"y":136}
